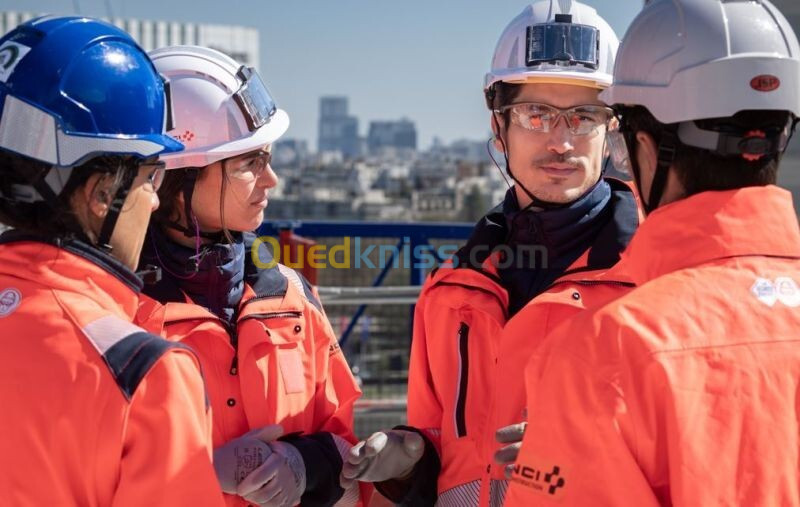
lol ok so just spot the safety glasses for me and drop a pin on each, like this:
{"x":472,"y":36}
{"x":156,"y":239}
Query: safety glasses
{"x":254,"y":99}
{"x":248,"y":167}
{"x":538,"y":117}
{"x":155,"y":173}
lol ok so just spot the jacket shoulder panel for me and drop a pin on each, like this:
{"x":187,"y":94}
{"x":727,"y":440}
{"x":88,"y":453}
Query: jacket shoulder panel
{"x":273,"y":280}
{"x":301,"y":283}
{"x":128,"y":350}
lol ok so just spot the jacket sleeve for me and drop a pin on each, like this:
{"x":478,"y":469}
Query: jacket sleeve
{"x":166,"y":458}
{"x":586,"y":432}
{"x":336,"y":394}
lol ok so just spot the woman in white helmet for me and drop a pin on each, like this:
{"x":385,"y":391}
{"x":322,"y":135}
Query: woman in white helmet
{"x":281,"y":391}
{"x":562,"y":220}
{"x":684,"y":390}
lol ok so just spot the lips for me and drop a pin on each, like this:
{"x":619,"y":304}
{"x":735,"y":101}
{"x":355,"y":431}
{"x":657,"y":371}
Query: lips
{"x":559,"y":170}
{"x":261,"y":203}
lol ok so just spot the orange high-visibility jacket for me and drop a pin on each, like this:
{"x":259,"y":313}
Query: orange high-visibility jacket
{"x":95,"y":410}
{"x":280,"y":365}
{"x":685,"y":390}
{"x":458,"y":324}
{"x":570,"y":295}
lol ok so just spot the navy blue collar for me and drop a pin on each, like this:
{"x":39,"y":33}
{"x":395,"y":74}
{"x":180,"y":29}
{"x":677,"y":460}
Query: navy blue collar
{"x":212,"y":278}
{"x":601,"y":221}
{"x":561,"y":230}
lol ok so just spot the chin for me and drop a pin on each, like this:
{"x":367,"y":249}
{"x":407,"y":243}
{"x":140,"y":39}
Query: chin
{"x":559,"y":196}
{"x":250,"y":225}
{"x":563,"y":194}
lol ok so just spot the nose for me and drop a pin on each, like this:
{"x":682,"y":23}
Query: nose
{"x":560,"y":140}
{"x":154,"y":201}
{"x":268,"y":178}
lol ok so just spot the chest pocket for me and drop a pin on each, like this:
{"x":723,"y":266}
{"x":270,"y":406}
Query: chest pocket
{"x":284,"y":347}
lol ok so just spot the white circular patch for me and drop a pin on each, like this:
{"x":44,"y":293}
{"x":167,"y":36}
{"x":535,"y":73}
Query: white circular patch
{"x":787,"y":291}
{"x":764,"y":290}
{"x":9,"y":301}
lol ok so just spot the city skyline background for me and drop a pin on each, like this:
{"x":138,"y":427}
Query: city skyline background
{"x":422,"y":61}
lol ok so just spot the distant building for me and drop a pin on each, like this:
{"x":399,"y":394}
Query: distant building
{"x":289,"y":152}
{"x":239,"y":42}
{"x":434,"y":204}
{"x":338,"y":131}
{"x":401,"y":134}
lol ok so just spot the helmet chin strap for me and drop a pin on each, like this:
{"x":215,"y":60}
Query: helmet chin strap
{"x":114,"y":209}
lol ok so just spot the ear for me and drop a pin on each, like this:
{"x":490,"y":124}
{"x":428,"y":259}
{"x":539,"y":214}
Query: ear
{"x":97,"y":192}
{"x":497,"y":131}
{"x":646,"y":153}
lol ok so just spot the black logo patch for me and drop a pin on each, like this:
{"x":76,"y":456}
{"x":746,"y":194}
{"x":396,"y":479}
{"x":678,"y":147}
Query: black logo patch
{"x":541,"y":480}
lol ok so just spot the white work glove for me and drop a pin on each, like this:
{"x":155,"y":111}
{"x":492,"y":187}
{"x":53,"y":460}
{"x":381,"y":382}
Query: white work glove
{"x":238,"y":458}
{"x":511,"y":435}
{"x":279,"y":482}
{"x":385,"y":455}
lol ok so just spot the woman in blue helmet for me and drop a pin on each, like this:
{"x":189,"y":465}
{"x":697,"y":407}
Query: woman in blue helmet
{"x":95,"y":410}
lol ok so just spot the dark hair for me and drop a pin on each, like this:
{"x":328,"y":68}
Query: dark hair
{"x":506,"y":93}
{"x":700,"y":170}
{"x":55,"y":219}
{"x":502,"y":94}
{"x":171,"y":187}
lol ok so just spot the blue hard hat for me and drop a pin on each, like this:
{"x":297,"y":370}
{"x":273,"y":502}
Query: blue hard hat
{"x":72,"y":88}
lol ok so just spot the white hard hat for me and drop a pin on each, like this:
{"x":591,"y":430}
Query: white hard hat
{"x":221,"y":108}
{"x":555,"y":41}
{"x":695,"y":59}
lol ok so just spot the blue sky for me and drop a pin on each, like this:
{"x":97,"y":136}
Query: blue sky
{"x":423,"y":60}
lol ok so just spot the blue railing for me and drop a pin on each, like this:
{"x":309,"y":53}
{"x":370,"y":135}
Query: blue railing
{"x":413,"y":235}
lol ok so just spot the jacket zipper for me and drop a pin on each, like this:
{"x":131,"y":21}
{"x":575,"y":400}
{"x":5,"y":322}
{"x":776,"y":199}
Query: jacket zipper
{"x":273,"y":315}
{"x":262,"y":298}
{"x":463,"y":377}
{"x":590,"y":282}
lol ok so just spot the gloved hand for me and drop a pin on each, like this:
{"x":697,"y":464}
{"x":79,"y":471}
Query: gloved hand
{"x":279,"y":482}
{"x":385,"y":455}
{"x":238,"y":458}
{"x":511,"y":435}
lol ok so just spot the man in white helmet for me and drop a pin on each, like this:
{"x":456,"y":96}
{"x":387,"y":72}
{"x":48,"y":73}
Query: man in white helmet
{"x":561,"y":220}
{"x":684,"y":391}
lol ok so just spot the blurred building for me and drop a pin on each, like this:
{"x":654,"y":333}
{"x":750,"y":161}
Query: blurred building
{"x":290,"y":151}
{"x":239,"y":42}
{"x":401,"y":134}
{"x":338,"y":131}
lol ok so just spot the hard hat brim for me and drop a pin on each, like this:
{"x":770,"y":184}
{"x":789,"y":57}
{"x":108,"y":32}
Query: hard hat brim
{"x":587,"y":79}
{"x":203,"y":156}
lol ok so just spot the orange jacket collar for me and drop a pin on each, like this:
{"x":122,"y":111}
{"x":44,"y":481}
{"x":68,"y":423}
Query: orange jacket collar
{"x":250,"y":304}
{"x":62,"y":270}
{"x":713,"y":225}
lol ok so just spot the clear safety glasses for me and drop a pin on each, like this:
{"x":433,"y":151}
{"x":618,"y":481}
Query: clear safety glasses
{"x":254,"y":99}
{"x":155,"y":173}
{"x":538,"y":117}
{"x":563,"y":42}
{"x":250,"y":166}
